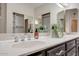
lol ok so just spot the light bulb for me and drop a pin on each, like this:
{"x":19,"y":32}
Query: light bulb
{"x":36,"y":22}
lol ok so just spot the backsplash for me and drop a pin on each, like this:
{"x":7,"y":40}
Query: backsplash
{"x":10,"y":36}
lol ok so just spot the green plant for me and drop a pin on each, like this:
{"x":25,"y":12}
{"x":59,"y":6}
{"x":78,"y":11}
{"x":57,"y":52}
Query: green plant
{"x":55,"y":29}
{"x":41,"y":29}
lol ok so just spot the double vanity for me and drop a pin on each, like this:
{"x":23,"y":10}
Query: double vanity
{"x":44,"y":46}
{"x":20,"y":22}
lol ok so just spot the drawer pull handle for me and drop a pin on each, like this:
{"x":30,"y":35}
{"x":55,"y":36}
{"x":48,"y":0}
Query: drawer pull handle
{"x":61,"y":52}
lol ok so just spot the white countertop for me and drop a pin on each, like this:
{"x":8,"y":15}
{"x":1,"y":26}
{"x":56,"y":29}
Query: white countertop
{"x":6,"y":48}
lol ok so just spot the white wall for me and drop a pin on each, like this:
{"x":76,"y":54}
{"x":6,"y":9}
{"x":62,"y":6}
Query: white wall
{"x":18,"y":8}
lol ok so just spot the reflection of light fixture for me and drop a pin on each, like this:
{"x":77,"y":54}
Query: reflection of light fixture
{"x":62,"y":5}
{"x":36,"y":22}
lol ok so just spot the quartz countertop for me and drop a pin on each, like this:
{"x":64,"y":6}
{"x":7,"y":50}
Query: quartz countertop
{"x":6,"y":48}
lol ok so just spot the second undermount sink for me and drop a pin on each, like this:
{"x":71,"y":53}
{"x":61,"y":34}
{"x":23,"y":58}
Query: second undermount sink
{"x":28,"y":44}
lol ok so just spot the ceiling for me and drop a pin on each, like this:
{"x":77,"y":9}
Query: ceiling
{"x":35,"y":5}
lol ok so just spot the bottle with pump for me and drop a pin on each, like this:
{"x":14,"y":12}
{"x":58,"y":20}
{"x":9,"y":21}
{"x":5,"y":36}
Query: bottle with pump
{"x":36,"y":34}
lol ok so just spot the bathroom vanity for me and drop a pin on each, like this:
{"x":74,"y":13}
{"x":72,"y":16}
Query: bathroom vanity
{"x":44,"y":46}
{"x":68,"y":48}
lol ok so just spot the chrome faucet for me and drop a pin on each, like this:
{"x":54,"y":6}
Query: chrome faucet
{"x":23,"y":37}
{"x":16,"y":39}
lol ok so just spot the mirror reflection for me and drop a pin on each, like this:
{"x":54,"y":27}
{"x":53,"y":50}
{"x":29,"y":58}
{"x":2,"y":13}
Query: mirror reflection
{"x":43,"y":24}
{"x":61,"y":20}
{"x":71,"y":20}
{"x":21,"y":25}
{"x":68,"y":20}
{"x":26,"y":17}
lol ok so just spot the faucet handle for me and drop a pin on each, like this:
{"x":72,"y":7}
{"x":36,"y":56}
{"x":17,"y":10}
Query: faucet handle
{"x":23,"y":37}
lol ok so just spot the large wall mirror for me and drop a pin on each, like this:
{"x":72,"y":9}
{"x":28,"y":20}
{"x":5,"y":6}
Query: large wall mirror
{"x":22,"y":18}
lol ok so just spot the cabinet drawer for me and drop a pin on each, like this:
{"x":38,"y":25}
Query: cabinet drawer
{"x":71,"y":53}
{"x":70,"y":44}
{"x":58,"y":51}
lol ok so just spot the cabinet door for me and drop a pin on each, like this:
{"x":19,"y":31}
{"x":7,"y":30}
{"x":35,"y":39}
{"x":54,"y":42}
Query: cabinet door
{"x":77,"y":42}
{"x":58,"y":51}
{"x":71,"y":53}
{"x":70,"y":44}
{"x":78,"y":47}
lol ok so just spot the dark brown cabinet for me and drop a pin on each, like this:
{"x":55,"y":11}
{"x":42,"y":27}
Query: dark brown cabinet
{"x":58,"y":51}
{"x":78,"y":47}
{"x":71,"y":52}
{"x":70,"y":44}
{"x":68,"y":48}
{"x":71,"y":48}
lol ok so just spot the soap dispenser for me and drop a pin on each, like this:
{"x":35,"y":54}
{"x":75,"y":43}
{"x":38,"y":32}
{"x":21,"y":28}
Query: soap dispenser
{"x":36,"y":34}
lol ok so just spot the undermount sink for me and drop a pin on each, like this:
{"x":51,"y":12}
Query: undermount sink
{"x":28,"y":44}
